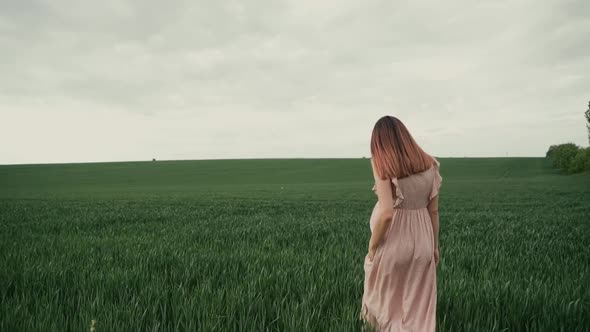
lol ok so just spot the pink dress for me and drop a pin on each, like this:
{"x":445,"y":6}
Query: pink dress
{"x":400,"y":283}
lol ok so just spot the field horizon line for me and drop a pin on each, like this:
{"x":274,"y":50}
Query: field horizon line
{"x":253,"y":159}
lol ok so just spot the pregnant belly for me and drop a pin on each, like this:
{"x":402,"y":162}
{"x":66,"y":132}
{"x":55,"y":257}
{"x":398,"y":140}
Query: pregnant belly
{"x":374,"y":216}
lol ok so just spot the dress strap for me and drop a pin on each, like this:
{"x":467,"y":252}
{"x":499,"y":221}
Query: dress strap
{"x":436,"y":181}
{"x":399,"y":196}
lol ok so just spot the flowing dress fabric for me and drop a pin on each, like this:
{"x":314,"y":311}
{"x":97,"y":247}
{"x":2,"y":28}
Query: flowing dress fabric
{"x":400,"y":283}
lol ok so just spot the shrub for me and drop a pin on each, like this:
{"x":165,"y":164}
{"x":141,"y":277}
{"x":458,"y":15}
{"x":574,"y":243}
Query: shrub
{"x":562,"y":155}
{"x":551,"y":151}
{"x":581,"y":161}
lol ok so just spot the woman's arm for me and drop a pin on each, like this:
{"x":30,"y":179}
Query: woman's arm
{"x":385,"y":197}
{"x":433,"y":212}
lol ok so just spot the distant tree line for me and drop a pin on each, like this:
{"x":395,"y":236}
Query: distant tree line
{"x":569,"y":157}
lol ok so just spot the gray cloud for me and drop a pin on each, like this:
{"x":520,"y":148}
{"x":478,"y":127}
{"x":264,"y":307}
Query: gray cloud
{"x":229,"y":79}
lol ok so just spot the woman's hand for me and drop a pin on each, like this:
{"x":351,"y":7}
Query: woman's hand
{"x":372,"y":250}
{"x":436,"y":257}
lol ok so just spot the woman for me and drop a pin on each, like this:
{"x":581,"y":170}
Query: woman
{"x":400,"y":267}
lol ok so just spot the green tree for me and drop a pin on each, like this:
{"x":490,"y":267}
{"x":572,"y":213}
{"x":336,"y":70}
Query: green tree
{"x":581,"y":161}
{"x":551,"y":151}
{"x":588,"y":120}
{"x":562,"y":155}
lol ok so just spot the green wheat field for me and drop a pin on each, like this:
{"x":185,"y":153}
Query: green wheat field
{"x":278,"y":245}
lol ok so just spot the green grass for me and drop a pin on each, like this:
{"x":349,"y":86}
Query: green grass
{"x":278,"y":245}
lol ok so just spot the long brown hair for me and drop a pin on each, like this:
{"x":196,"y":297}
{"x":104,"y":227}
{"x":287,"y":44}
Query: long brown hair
{"x":394,"y":151}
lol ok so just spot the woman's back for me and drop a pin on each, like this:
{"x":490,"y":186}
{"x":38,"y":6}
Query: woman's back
{"x":415,"y":191}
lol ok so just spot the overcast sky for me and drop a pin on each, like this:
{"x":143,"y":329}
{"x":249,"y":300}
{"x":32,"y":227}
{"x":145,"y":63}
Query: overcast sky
{"x":116,"y":80}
